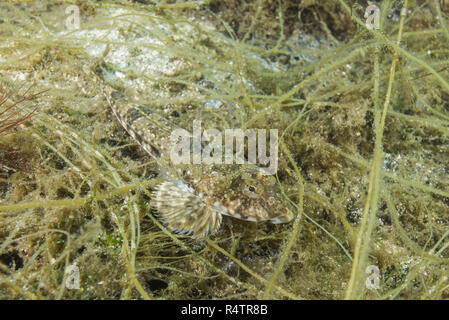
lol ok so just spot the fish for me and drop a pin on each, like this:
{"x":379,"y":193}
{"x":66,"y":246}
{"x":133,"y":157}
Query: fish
{"x":193,"y":198}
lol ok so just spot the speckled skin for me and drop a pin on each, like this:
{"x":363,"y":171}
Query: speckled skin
{"x":194,"y":197}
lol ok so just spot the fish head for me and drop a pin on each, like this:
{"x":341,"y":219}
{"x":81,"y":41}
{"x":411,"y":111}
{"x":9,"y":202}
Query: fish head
{"x":254,"y":196}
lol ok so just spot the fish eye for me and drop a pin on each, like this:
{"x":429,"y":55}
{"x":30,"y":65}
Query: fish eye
{"x":250,"y":190}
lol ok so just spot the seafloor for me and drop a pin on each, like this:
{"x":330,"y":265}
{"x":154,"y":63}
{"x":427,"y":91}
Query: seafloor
{"x":363,"y":120}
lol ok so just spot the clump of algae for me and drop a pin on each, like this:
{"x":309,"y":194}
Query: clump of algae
{"x":364,"y":154}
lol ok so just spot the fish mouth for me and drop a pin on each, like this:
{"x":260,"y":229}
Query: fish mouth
{"x":285,"y":217}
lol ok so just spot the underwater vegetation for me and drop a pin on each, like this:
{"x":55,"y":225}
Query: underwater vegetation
{"x":10,"y":115}
{"x":363,"y":121}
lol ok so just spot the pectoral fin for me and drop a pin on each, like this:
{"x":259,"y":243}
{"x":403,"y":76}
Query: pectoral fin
{"x":184,"y":212}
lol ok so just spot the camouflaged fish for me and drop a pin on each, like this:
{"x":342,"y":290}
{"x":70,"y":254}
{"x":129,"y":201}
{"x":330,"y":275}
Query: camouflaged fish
{"x":194,"y":197}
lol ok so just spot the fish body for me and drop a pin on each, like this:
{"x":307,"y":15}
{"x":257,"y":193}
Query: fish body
{"x":193,"y":197}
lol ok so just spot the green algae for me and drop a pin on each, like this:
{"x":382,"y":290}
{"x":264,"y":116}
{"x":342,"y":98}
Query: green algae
{"x":364,"y":153}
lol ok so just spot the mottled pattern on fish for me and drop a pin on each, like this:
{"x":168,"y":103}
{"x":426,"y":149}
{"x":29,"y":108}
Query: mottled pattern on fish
{"x":193,"y":197}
